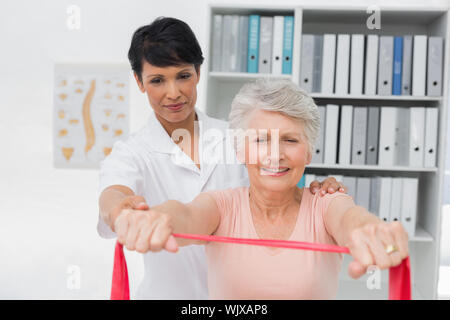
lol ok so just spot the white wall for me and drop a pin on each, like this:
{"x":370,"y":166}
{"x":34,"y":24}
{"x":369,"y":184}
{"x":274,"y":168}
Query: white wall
{"x":48,"y":216}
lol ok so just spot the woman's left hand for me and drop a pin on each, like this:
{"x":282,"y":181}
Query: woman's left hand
{"x":379,"y":244}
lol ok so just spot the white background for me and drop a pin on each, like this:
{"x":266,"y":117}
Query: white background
{"x":48,"y":216}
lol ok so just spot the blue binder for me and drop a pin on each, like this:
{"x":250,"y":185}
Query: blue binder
{"x":253,"y":43}
{"x":397,"y":72}
{"x":301,"y":183}
{"x":288,"y":39}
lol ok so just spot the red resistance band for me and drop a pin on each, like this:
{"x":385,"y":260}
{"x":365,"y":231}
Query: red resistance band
{"x":399,"y":276}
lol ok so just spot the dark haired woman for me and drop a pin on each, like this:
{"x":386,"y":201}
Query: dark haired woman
{"x":154,"y":164}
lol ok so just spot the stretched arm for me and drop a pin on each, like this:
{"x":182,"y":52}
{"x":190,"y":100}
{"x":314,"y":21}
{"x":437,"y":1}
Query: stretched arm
{"x":366,"y":236}
{"x":150,"y":230}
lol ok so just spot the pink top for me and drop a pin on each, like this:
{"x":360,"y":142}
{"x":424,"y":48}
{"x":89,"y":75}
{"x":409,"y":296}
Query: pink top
{"x":237,"y":271}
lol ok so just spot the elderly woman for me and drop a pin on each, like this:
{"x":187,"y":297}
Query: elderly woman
{"x":272,"y":113}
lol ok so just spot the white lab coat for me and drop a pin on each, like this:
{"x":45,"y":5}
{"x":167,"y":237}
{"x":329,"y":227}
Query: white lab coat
{"x":148,"y":162}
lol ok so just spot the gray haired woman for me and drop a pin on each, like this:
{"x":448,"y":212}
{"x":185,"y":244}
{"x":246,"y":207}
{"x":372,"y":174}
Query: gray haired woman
{"x":278,"y":124}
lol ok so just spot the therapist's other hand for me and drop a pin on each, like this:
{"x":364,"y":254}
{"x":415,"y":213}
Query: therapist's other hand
{"x":145,"y":230}
{"x":129,"y":202}
{"x":368,"y":247}
{"x":329,"y":185}
{"x":134,"y":202}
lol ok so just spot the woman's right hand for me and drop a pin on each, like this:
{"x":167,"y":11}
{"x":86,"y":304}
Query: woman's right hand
{"x":143,"y":230}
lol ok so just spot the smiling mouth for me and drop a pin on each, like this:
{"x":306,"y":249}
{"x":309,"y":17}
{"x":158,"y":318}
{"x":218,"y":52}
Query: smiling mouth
{"x":275,"y":170}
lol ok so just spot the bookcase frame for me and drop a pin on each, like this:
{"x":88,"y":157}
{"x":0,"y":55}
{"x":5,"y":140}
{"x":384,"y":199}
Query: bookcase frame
{"x":424,"y":247}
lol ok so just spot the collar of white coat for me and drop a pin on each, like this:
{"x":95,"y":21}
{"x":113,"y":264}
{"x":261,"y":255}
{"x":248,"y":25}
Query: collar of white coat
{"x":159,"y":141}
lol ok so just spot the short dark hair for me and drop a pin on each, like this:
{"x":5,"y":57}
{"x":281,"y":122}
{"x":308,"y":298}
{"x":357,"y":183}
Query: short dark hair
{"x":165,"y":42}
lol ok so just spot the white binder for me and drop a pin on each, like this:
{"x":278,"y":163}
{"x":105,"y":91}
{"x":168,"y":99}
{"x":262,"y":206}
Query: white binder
{"x":375,"y":189}
{"x":234,"y":44}
{"x":402,"y":137}
{"x":359,"y":135}
{"x":431,"y":131}
{"x":396,"y":200}
{"x":328,"y":63}
{"x":277,"y":52}
{"x":331,"y":133}
{"x":409,"y":205}
{"x":419,"y":65}
{"x":388,"y":121}
{"x":434,"y":69}
{"x":363,"y":192}
{"x":385,"y":65}
{"x":345,"y":135}
{"x":227,"y":43}
{"x":265,"y":45}
{"x":385,"y":198}
{"x":370,"y":83}
{"x":350,"y":183}
{"x":373,"y":133}
{"x":243,"y":43}
{"x":306,"y":62}
{"x":417,"y":137}
{"x":309,"y":178}
{"x":317,"y":64}
{"x":217,"y":43}
{"x":317,"y":156}
{"x":342,"y":64}
{"x":407,"y":64}
{"x":357,"y":64}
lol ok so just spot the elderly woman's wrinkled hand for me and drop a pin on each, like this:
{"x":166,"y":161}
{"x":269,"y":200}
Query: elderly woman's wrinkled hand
{"x":145,"y":230}
{"x":382,"y":244}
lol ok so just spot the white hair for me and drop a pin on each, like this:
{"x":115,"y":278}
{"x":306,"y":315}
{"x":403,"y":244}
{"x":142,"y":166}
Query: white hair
{"x":279,"y":96}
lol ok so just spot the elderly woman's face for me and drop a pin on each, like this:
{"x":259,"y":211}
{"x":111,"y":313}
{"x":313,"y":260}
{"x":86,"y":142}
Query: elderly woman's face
{"x":277,"y":154}
{"x":171,"y":91}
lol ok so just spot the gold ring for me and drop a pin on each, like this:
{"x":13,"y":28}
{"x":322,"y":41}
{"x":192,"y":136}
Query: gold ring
{"x":391,"y":248}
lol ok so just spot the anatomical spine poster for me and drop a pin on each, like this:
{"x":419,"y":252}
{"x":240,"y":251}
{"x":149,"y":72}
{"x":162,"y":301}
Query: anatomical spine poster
{"x":91,"y":111}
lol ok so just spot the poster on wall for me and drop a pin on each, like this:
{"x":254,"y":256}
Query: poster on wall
{"x":91,"y":112}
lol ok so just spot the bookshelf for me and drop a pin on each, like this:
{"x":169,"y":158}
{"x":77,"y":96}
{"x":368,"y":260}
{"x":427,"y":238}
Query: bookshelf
{"x":431,"y":21}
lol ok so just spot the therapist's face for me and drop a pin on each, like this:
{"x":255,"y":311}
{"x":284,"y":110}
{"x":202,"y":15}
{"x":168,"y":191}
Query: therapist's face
{"x":171,"y":91}
{"x":271,"y":168}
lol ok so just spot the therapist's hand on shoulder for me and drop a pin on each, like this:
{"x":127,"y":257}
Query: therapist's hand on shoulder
{"x":329,"y":185}
{"x":144,"y":230}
